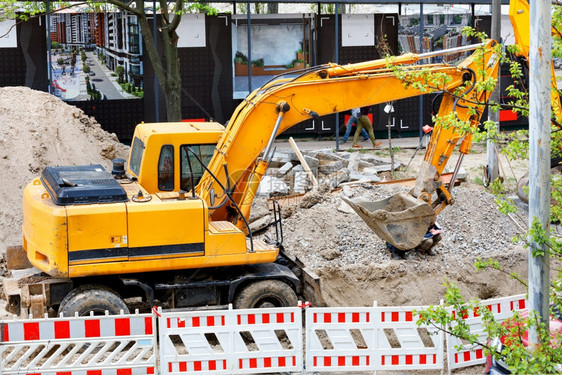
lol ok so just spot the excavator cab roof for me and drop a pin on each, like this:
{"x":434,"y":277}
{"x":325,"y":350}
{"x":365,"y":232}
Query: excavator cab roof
{"x":174,"y":128}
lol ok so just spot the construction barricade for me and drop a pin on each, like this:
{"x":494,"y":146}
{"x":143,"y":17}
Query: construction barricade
{"x":231,"y":341}
{"x":402,"y":344}
{"x":241,"y":341}
{"x":370,"y":339}
{"x":340,"y":339}
{"x":93,"y":345}
{"x":470,"y":355}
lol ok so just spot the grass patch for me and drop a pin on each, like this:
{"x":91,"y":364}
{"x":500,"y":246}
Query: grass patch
{"x":479,"y":181}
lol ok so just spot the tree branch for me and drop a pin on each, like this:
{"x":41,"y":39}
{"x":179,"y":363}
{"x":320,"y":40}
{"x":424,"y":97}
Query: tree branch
{"x":164,"y":13}
{"x":38,"y":15}
{"x":138,"y":11}
{"x":440,"y":328}
{"x":151,"y":50}
{"x":177,"y":16}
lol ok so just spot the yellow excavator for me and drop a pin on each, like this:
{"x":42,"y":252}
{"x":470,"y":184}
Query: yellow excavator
{"x":172,"y":226}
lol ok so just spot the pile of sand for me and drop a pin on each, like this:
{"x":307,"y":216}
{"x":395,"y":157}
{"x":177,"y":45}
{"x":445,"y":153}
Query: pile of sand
{"x":38,"y":130}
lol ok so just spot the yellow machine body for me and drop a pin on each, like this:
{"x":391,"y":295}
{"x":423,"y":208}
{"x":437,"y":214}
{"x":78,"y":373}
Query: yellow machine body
{"x":160,"y":231}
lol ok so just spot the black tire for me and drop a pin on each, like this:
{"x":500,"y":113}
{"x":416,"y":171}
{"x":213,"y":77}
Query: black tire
{"x":266,"y":293}
{"x":88,"y":298}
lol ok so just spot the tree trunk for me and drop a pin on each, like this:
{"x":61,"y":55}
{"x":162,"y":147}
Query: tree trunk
{"x":173,"y":82}
{"x":166,"y":66}
{"x":172,"y":91}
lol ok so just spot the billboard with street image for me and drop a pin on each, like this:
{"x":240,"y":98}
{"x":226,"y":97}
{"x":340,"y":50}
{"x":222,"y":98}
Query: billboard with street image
{"x":95,"y":56}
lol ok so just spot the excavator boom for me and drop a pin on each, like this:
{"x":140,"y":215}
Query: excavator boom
{"x":333,"y":88}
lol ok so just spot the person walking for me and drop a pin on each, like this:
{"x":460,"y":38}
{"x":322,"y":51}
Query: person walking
{"x":353,"y":119}
{"x":364,"y":122}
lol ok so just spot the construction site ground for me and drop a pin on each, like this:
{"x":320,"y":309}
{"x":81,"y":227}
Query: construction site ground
{"x":355,"y":266}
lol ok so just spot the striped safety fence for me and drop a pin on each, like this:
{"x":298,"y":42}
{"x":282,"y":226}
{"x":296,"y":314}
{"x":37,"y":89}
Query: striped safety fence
{"x":370,"y":339}
{"x":470,"y":355}
{"x":93,"y":345}
{"x":340,"y":339}
{"x":240,"y":341}
{"x":231,"y":341}
{"x":402,"y":344}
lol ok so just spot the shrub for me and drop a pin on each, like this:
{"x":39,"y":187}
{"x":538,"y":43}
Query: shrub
{"x":243,"y":59}
{"x":258,"y":63}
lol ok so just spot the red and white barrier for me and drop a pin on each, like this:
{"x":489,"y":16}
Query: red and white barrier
{"x":231,"y":341}
{"x":355,"y":339}
{"x":340,"y":339}
{"x":95,"y":345}
{"x":470,"y":355}
{"x":240,"y":341}
{"x":417,"y":347}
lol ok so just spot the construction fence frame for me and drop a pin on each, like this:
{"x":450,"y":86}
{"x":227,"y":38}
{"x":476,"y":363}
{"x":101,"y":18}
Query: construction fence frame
{"x":240,"y":341}
{"x":93,"y":345}
{"x":471,"y":355}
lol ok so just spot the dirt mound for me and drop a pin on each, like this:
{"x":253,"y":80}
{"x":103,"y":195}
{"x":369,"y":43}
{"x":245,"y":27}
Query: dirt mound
{"x":356,"y":267}
{"x":39,"y":130}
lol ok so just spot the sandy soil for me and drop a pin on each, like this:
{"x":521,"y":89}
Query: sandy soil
{"x":39,"y":130}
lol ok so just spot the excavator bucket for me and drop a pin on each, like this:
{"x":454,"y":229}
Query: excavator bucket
{"x":401,"y":219}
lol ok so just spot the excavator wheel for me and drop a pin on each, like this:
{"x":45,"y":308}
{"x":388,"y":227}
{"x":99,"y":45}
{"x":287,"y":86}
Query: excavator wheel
{"x":265,"y":294}
{"x":92,"y":298}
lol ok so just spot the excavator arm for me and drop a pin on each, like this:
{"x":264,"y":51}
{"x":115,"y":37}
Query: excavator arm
{"x":236,"y":168}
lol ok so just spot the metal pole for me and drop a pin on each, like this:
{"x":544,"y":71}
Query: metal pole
{"x":539,"y":159}
{"x":49,"y":61}
{"x":249,"y":30}
{"x":156,"y":88}
{"x":337,"y":57}
{"x":492,"y":163}
{"x":421,"y":51}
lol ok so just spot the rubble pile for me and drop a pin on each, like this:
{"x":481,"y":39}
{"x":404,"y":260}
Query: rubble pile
{"x":356,"y":266}
{"x":287,"y":176}
{"x":472,"y":227}
{"x":327,"y":166}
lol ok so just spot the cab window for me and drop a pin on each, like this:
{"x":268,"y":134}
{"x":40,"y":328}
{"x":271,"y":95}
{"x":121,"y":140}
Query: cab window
{"x":136,"y":156}
{"x":166,"y":168}
{"x":205,"y":153}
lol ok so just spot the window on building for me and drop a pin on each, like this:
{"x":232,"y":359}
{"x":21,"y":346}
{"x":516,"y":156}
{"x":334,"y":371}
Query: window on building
{"x":133,"y":36}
